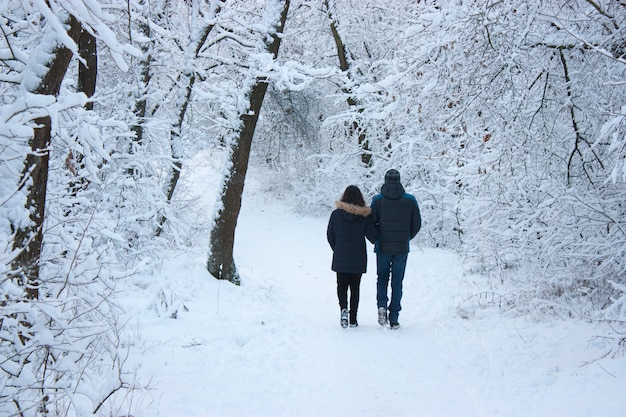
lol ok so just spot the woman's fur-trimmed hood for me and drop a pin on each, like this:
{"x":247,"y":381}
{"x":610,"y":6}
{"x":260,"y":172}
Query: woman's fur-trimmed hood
{"x":352,"y":209}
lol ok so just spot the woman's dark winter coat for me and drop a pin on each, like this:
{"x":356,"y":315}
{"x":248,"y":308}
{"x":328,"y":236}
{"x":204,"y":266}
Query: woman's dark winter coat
{"x":348,"y":227}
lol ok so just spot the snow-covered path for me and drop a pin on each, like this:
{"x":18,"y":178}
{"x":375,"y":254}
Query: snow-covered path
{"x":274,"y":347}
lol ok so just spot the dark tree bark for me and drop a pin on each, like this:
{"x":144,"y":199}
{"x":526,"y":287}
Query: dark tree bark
{"x":578,"y":134}
{"x":221,"y":263}
{"x":141,"y":105}
{"x":28,"y":240}
{"x":344,"y":65}
{"x":87,"y":72}
{"x":176,"y":130}
{"x":87,"y":76}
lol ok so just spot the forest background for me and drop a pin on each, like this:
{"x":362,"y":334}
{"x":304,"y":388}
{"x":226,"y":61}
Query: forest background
{"x":505,"y":118}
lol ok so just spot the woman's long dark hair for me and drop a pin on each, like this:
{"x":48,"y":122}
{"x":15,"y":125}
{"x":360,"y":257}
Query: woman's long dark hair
{"x":353,"y":195}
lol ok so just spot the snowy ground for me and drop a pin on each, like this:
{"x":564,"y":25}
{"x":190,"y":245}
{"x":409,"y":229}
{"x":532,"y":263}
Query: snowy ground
{"x":274,"y":346}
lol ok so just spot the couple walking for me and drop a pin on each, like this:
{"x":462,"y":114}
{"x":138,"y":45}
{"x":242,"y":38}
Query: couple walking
{"x":392,"y":220}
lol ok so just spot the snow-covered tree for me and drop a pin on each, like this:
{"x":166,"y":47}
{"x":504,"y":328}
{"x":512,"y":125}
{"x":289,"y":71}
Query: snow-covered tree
{"x":58,"y":328}
{"x":262,"y":52}
{"x":504,"y":118}
{"x":525,"y":117}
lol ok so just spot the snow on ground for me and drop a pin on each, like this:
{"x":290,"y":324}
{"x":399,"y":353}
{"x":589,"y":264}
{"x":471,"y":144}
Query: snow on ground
{"x":274,"y":346}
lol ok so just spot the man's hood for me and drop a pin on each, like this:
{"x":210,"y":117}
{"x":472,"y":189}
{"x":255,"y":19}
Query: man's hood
{"x":392,"y":191}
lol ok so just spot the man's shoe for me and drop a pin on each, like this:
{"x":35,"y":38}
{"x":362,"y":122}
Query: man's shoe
{"x":382,"y":316}
{"x":354,"y":324}
{"x":344,"y":318}
{"x":394,"y":325}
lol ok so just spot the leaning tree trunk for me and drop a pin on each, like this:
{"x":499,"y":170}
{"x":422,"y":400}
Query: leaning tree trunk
{"x":28,"y":240}
{"x":177,"y":128}
{"x":221,"y":263}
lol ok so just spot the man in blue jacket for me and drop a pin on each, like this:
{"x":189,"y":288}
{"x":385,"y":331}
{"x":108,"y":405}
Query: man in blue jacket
{"x":397,"y":218}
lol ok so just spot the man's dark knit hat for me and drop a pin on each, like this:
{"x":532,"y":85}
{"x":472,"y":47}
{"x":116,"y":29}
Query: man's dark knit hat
{"x":392,"y":176}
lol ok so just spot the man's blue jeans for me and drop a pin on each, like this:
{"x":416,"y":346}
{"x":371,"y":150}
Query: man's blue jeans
{"x":395,"y":265}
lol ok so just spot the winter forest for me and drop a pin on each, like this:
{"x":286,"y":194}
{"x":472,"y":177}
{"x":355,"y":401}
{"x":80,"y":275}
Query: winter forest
{"x":506,"y":118}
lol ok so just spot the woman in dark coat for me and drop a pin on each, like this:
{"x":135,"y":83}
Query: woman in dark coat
{"x":348,"y":227}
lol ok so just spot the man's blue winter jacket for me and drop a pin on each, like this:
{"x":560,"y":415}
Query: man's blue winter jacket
{"x":397,"y":218}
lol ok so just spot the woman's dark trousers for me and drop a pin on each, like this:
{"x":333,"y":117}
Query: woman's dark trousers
{"x":353,"y":282}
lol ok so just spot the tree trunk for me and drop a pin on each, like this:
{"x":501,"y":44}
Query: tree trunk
{"x":175,"y":144}
{"x":344,"y":65}
{"x":141,"y":105}
{"x":87,"y":76}
{"x":177,"y":128}
{"x":28,"y":240}
{"x":88,"y":72}
{"x":221,"y":263}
